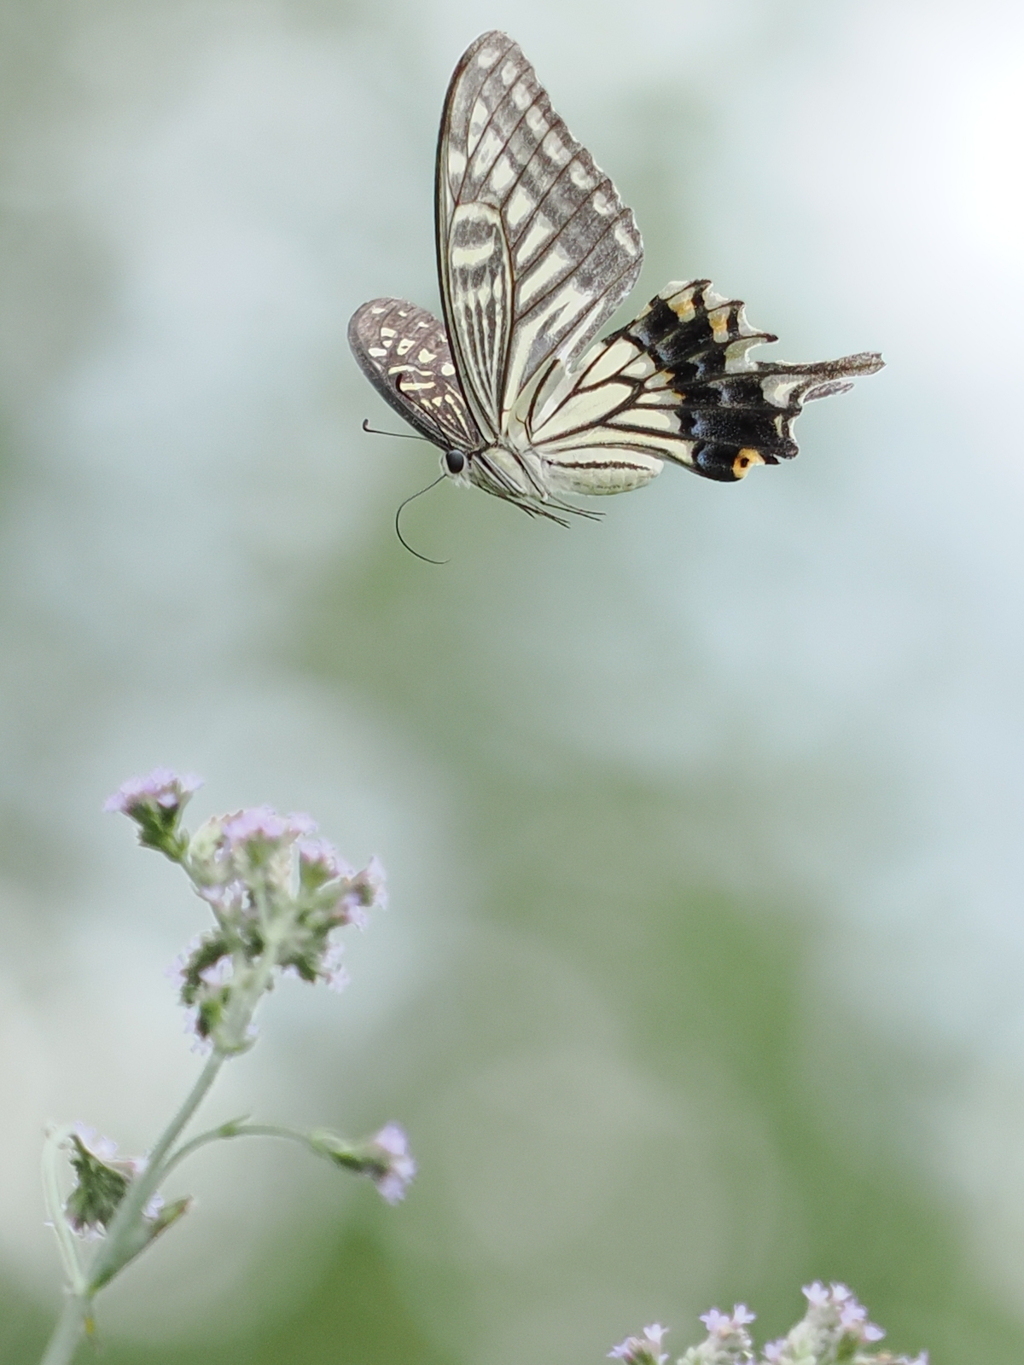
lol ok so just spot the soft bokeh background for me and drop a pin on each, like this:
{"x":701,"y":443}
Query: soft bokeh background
{"x":703,"y":973}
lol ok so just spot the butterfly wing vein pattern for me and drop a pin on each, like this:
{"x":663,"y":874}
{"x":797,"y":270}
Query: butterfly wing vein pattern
{"x":678,"y":384}
{"x":403,"y":350}
{"x":554,"y":251}
{"x":535,"y":251}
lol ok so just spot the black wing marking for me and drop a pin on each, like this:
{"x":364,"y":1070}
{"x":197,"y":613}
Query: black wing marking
{"x":678,"y":384}
{"x":403,"y":350}
{"x":535,"y":248}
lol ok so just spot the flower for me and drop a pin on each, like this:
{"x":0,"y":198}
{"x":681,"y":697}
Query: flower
{"x":161,"y":787}
{"x":332,"y":970}
{"x":645,"y":1350}
{"x":385,"y":1157}
{"x":260,"y":825}
{"x":231,"y":857}
{"x":374,"y":880}
{"x":817,"y":1295}
{"x":320,"y":862}
{"x":722,"y":1325}
{"x":103,"y":1148}
{"x":728,"y":1341}
{"x":155,"y":802}
{"x":834,"y":1320}
{"x":397,"y":1168}
{"x":277,"y":895}
{"x":834,"y":1328}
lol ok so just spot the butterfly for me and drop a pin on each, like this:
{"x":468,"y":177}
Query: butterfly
{"x":535,"y":251}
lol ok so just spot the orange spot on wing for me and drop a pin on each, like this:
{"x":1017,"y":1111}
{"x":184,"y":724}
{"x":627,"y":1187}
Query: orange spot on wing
{"x":747,"y":457}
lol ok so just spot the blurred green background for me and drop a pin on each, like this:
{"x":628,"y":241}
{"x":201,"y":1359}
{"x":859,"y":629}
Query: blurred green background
{"x":702,"y":976}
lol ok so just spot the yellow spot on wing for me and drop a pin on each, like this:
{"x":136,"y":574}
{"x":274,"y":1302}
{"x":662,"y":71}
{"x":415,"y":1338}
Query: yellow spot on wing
{"x":719,"y":320}
{"x":682,"y":306}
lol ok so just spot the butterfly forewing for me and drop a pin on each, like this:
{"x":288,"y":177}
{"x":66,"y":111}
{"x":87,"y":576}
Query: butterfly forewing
{"x":535,"y":248}
{"x":403,"y":350}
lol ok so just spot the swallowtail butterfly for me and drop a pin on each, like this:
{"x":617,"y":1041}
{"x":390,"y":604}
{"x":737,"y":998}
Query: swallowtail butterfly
{"x":535,"y":251}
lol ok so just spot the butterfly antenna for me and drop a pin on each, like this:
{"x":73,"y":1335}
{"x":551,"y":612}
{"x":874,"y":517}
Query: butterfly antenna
{"x":398,"y":530}
{"x":375,"y":431}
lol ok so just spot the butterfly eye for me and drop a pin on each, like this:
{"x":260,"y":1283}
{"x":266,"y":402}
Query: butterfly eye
{"x":455,"y":461}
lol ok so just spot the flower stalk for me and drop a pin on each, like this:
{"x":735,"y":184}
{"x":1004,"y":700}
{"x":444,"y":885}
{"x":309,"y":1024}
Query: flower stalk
{"x":277,"y":897}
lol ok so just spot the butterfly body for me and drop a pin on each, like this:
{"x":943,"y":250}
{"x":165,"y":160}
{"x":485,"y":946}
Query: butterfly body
{"x":535,"y":252}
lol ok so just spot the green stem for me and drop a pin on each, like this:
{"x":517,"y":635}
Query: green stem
{"x":114,"y":1250}
{"x":67,"y":1242}
{"x":231,"y":1130}
{"x":68,"y":1333}
{"x":121,"y":1242}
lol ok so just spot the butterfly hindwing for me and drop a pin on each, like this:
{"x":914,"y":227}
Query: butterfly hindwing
{"x":678,"y":384}
{"x":535,"y":248}
{"x":403,"y":350}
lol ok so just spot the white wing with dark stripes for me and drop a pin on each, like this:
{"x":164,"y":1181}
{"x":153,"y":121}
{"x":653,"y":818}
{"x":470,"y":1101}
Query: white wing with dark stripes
{"x":535,"y":248}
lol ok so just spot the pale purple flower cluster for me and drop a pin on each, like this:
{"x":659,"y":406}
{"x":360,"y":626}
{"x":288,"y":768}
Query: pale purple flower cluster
{"x":161,"y":787}
{"x":321,"y":865}
{"x":372,"y":884}
{"x":645,"y":1350}
{"x":155,"y":802}
{"x":835,"y":1327}
{"x":834,"y":1322}
{"x":836,"y":1306}
{"x":232,"y":856}
{"x":277,"y":894}
{"x":397,"y":1166}
{"x":728,"y":1341}
{"x":268,"y":882}
{"x":262,"y":826}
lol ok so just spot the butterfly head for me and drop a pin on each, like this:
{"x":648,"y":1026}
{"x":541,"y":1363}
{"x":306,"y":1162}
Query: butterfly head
{"x":454,"y":463}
